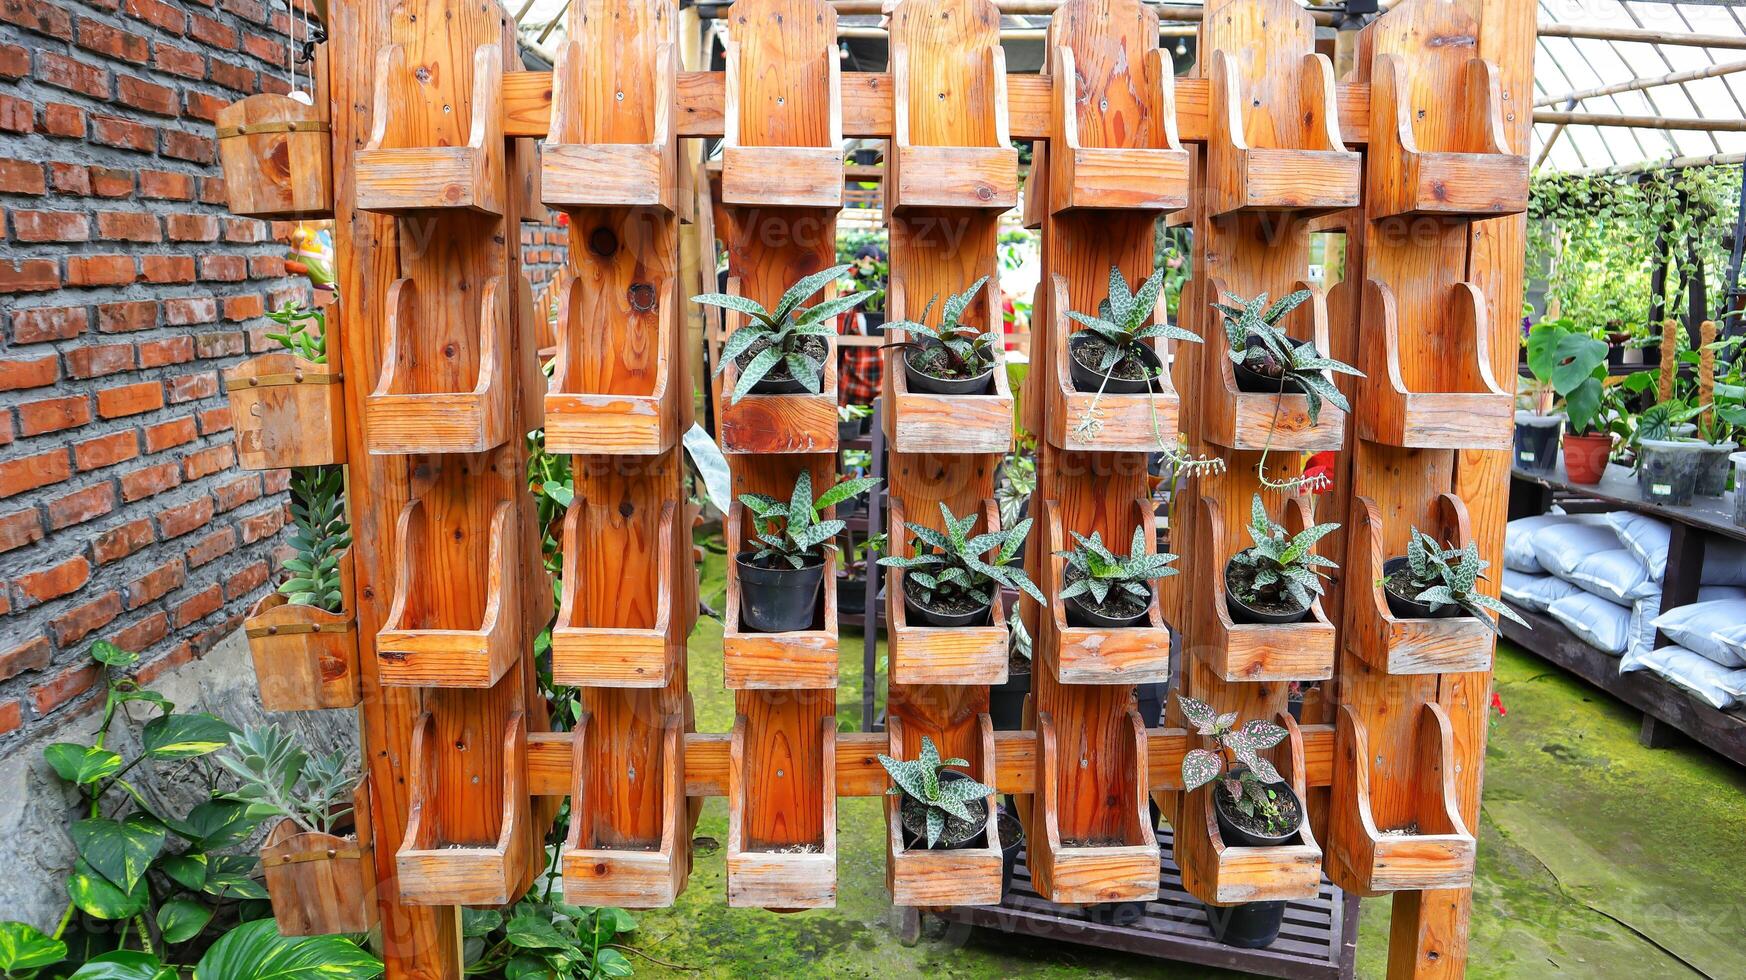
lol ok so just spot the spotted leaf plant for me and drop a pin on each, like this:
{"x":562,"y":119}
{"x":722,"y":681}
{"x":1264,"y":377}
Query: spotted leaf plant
{"x":791,"y":336}
{"x":951,"y":561}
{"x":956,"y":350}
{"x":794,"y":531}
{"x":944,"y":799}
{"x":1098,"y":571}
{"x":1124,"y":319}
{"x":1281,"y":563}
{"x":1235,"y":763}
{"x":1447,"y":577}
{"x":1257,"y":342}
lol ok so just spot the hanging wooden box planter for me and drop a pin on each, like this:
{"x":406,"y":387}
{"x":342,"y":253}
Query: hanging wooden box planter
{"x":1421,"y":842}
{"x":617,"y":152}
{"x":435,"y":868}
{"x":1252,"y":652}
{"x":799,"y":423}
{"x":1086,"y":421}
{"x":601,"y":401}
{"x":805,"y":660}
{"x":1084,"y":174}
{"x":402,"y":416}
{"x":395,"y":174}
{"x":1308,"y":172}
{"x":923,"y":877}
{"x":1097,"y":654}
{"x":287,"y":411}
{"x":921,"y":422}
{"x":619,"y":571}
{"x":1423,"y":163}
{"x":963,"y":82}
{"x":1270,"y":421}
{"x":305,"y":657}
{"x":1222,"y":874}
{"x":1438,"y":391}
{"x":323,"y":884}
{"x":277,"y":155}
{"x":1460,"y":644}
{"x":423,"y":642}
{"x":603,"y":868}
{"x":1076,"y":874}
{"x":783,"y":72}
{"x":958,"y":655}
{"x":787,"y":876}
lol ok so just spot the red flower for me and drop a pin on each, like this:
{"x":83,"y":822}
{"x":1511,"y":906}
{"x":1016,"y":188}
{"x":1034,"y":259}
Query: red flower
{"x":1497,"y":704}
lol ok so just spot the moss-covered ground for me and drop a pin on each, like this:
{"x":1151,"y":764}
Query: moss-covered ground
{"x":1598,"y":858}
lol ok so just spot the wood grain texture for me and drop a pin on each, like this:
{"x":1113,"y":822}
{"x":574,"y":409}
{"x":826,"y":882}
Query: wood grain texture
{"x":783,"y":117}
{"x":950,"y":145}
{"x":427,"y":640}
{"x":1109,"y":422}
{"x":761,"y":424}
{"x":1440,"y":148}
{"x":767,"y":789}
{"x":401,"y":171}
{"x":1408,"y":646}
{"x":958,"y":655}
{"x":321,"y":884}
{"x":1099,"y":163}
{"x":920,"y":877}
{"x":435,"y":397}
{"x":277,"y":156}
{"x":1251,"y":652}
{"x":305,"y":657}
{"x":439,"y":865}
{"x":755,"y":661}
{"x":1072,"y":870}
{"x":286,"y":411}
{"x":1099,"y":655}
{"x":1265,"y":421}
{"x":602,"y":864}
{"x":1431,"y":388}
{"x":617,"y":626}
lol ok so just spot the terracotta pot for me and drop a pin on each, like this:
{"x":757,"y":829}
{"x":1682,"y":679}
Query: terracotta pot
{"x":1585,"y":457}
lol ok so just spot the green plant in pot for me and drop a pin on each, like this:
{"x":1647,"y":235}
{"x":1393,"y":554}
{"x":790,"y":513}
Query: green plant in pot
{"x":782,"y":351}
{"x":1114,"y":352}
{"x":1434,"y":582}
{"x":1265,"y":359}
{"x":781,"y":576}
{"x":1275,"y":580}
{"x":954,"y":579}
{"x":1106,"y":590}
{"x":941,"y":807}
{"x":852,"y":422}
{"x":1254,"y":807}
{"x":852,"y":590}
{"x":1562,"y":359}
{"x":320,"y":537}
{"x":952,"y":358}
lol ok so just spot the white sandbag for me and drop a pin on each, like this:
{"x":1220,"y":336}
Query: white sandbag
{"x":1644,"y":611}
{"x":1694,"y":627}
{"x":1706,"y":680}
{"x":1616,"y":575}
{"x":1519,"y":537}
{"x":1647,"y":538}
{"x":1604,"y":625}
{"x":1559,"y":548}
{"x":1535,"y":592}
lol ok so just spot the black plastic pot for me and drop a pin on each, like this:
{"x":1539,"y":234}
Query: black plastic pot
{"x":1537,"y":441}
{"x":920,"y":615}
{"x":778,"y":600}
{"x":848,"y":431}
{"x":1242,"y":612}
{"x":1252,"y":925}
{"x":865,"y":157}
{"x":924,"y":383}
{"x":1256,"y":383}
{"x":913,"y":816}
{"x":1667,"y":470}
{"x":1411,"y":608}
{"x":851,"y":597}
{"x":1006,"y":702}
{"x":781,"y":386}
{"x":1079,"y":613}
{"x":872,"y":321}
{"x":1087,"y":380}
{"x":1012,"y":841}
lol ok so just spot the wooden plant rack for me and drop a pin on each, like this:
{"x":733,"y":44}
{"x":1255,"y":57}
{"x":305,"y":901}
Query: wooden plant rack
{"x":435,"y":381}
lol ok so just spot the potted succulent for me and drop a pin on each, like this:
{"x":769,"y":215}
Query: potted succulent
{"x":781,"y":577}
{"x":302,"y":640}
{"x":948,"y":582}
{"x":1275,"y":580}
{"x":942,"y":808}
{"x":1434,"y":582}
{"x":951,"y":359}
{"x":1254,"y":807}
{"x":1113,"y":351}
{"x":852,"y":422}
{"x":1103,"y":589}
{"x":1265,"y":359}
{"x":1006,"y":702}
{"x":782,"y":351}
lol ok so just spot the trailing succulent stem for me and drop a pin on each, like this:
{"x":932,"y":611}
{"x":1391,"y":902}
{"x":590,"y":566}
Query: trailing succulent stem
{"x":795,"y":531}
{"x":1282,"y":565}
{"x":1447,"y":576}
{"x":950,"y":564}
{"x":1097,"y":571}
{"x":1248,"y":787}
{"x":919,"y":779}
{"x":967,"y":352}
{"x":1256,"y":341}
{"x":775,"y":337}
{"x":320,"y":538}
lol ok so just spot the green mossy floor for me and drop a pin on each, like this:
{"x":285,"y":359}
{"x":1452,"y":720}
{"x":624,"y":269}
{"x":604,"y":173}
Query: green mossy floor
{"x":1589,"y":865}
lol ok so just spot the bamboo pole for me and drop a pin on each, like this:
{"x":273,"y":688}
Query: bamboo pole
{"x":1639,"y":122}
{"x":1593,"y":33}
{"x":1670,"y":163}
{"x":1639,"y":84}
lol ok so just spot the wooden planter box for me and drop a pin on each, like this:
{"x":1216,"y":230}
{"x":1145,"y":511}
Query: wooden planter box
{"x":1103,"y":422}
{"x":396,"y":174}
{"x":404,"y":415}
{"x":435,"y":868}
{"x":1439,"y":393}
{"x":615,"y":388}
{"x":617,"y":152}
{"x":1253,"y":652}
{"x":1124,"y":872}
{"x":277,"y":155}
{"x":1422,"y":843}
{"x":1421,"y":165}
{"x":780,"y":879}
{"x":964,"y":82}
{"x":805,"y":660}
{"x":1456,"y":645}
{"x":1095,"y":654}
{"x":602,"y":867}
{"x":1150,"y":176}
{"x":619,"y":572}
{"x":801,"y":423}
{"x":322,"y":884}
{"x":422,"y":643}
{"x":959,"y":655}
{"x":920,"y":422}
{"x":287,"y":411}
{"x":1270,"y":421}
{"x":786,"y":69}
{"x":936,"y":878}
{"x":305,"y":658}
{"x":1305,"y":172}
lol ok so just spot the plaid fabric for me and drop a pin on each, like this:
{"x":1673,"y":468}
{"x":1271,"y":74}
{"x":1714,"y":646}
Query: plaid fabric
{"x":860,"y":371}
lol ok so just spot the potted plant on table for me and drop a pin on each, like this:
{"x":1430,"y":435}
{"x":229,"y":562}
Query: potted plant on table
{"x":1107,"y":590}
{"x":1113,"y":352}
{"x":948,"y":582}
{"x":781,"y":577}
{"x":1434,"y":582}
{"x":1572,"y":365}
{"x":941,"y":807}
{"x":951,"y":359}
{"x":1277,"y":579}
{"x":782,"y":351}
{"x":1254,"y":807}
{"x":1265,"y":359}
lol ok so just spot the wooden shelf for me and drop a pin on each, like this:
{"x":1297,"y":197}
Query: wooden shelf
{"x":1304,"y":173}
{"x":616,"y":626}
{"x":1440,"y":153}
{"x":1124,"y":872}
{"x":277,"y":155}
{"x":1102,"y":655}
{"x":1144,"y":423}
{"x":783,"y":72}
{"x":1438,"y":391}
{"x":799,"y":423}
{"x":1087,"y":174}
{"x":1428,"y":847}
{"x":1459,"y":644}
{"x":921,"y":422}
{"x":322,"y":884}
{"x":948,"y":77}
{"x":433,"y":866}
{"x":931,"y":878}
{"x":287,"y":411}
{"x":958,"y":655}
{"x":601,"y":865}
{"x":613,"y":390}
{"x":1270,"y":421}
{"x":805,"y":660}
{"x":305,"y":657}
{"x":1252,"y":652}
{"x":427,"y":643}
{"x":404,"y":415}
{"x":783,"y":878}
{"x":394,"y":174}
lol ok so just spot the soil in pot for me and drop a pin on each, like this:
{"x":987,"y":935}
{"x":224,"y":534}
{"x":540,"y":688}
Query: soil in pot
{"x":946,"y":608}
{"x":1399,"y":588}
{"x":1118,"y":610}
{"x":778,"y":599}
{"x":1006,"y":702}
{"x":1712,"y":469}
{"x":779,"y":381}
{"x":1242,"y":830}
{"x":1585,"y":457}
{"x":958,"y":833}
{"x":1264,"y":609}
{"x":1537,"y":441}
{"x":1135,"y":374}
{"x":929,"y":371}
{"x":1667,"y":470}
